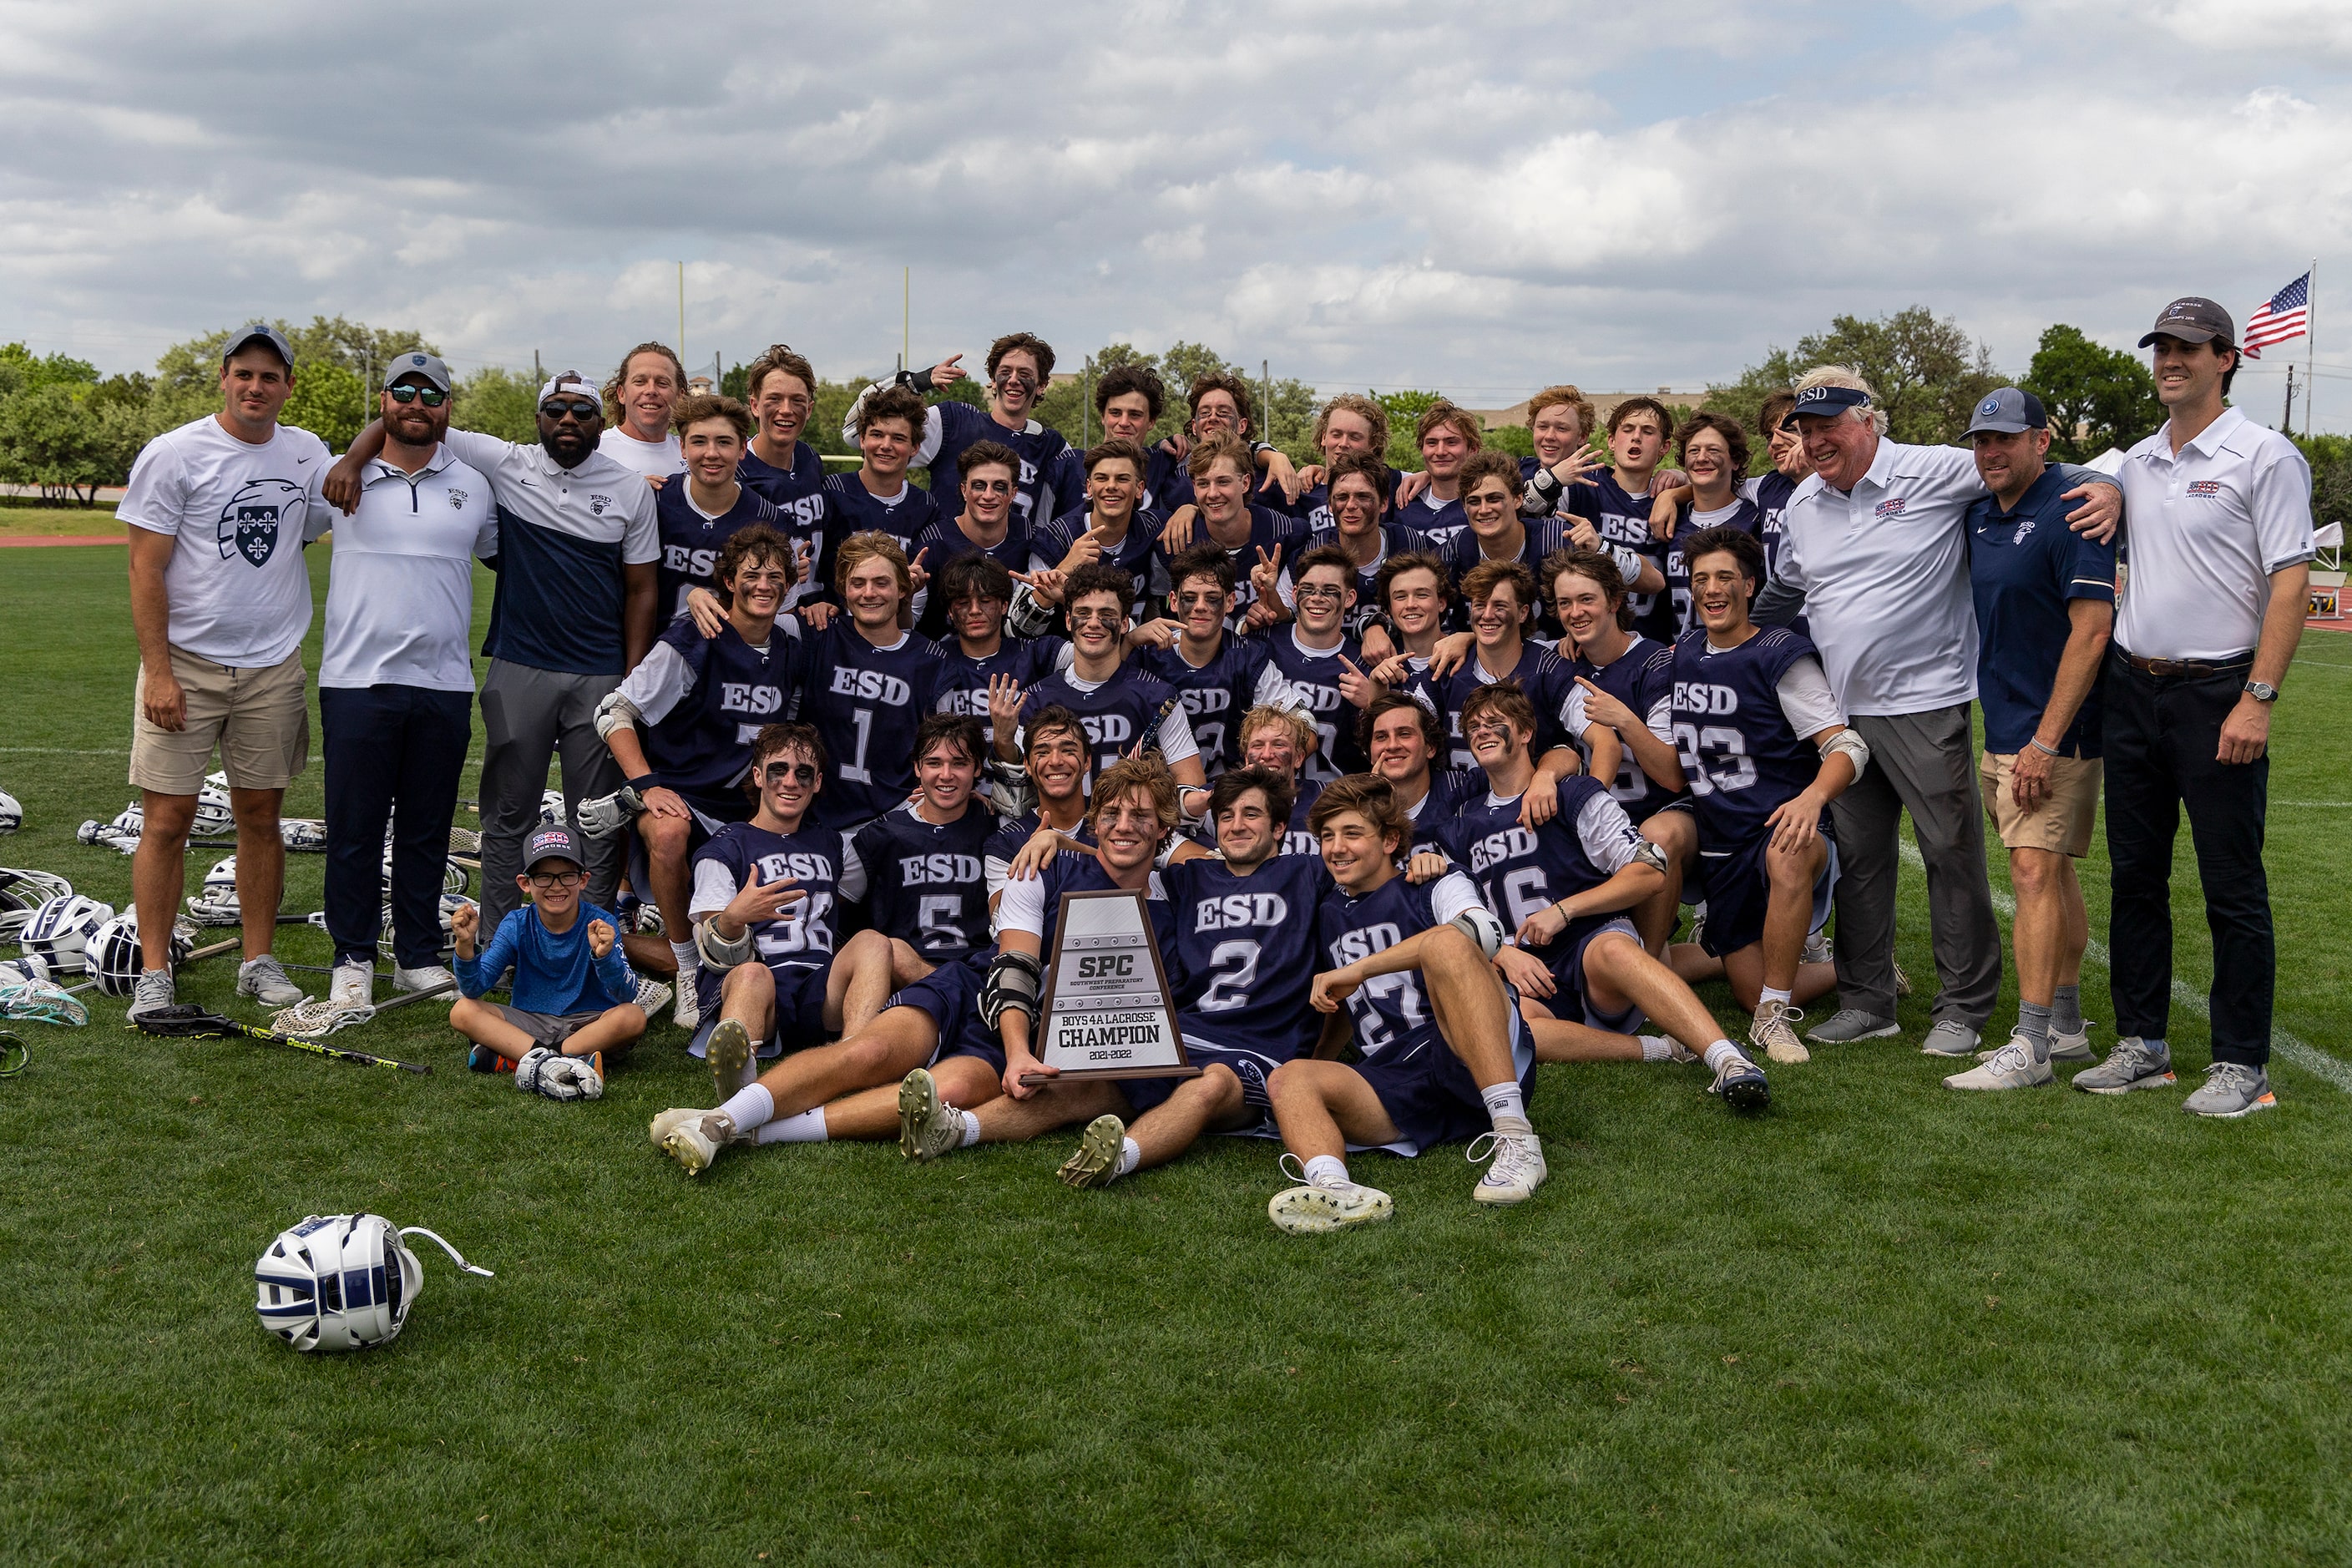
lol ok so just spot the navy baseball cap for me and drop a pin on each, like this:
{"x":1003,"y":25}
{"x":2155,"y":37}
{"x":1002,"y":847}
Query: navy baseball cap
{"x":1824,"y":402}
{"x":258,"y":332}
{"x":427,"y":368}
{"x":2193,"y":321}
{"x":2008,"y":411}
{"x":551,"y":844}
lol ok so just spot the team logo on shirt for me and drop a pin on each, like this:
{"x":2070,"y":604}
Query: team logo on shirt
{"x":456,"y":500}
{"x":250,"y":523}
{"x":1893,"y":506}
{"x":596,"y":504}
{"x":2204,"y":487}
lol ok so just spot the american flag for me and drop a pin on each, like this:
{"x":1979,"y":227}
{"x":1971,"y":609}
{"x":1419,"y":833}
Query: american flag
{"x":2281,"y":317}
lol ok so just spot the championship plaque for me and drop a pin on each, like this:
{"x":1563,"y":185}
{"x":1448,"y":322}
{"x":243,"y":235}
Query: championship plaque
{"x":1107,"y":1013}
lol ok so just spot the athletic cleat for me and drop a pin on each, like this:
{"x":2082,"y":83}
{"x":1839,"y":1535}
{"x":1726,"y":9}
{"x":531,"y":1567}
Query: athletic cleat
{"x":688,"y":1016}
{"x":2130,"y":1066}
{"x":1518,"y":1169}
{"x":1741,"y":1084}
{"x":1848,"y":1025}
{"x":263,"y":980}
{"x":1950,"y":1038}
{"x":425,"y":978}
{"x":661,"y":1128}
{"x":150,"y":993}
{"x":1817,"y":949}
{"x":652,"y":997}
{"x":2073,"y":1048}
{"x":1096,"y":1164}
{"x":481,"y":1058}
{"x":929,"y":1126}
{"x":1312,"y":1210}
{"x":1774,"y":1032}
{"x":694,"y":1143}
{"x":352,"y":985}
{"x":729,"y":1051}
{"x":2232,"y":1089}
{"x":2011,"y":1067}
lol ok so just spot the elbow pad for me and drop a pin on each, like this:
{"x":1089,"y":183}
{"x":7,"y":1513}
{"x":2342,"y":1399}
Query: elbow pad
{"x":616,"y":712}
{"x":1654,"y":856}
{"x":1012,"y":984}
{"x":717,"y":952}
{"x":1539,"y":497}
{"x":1856,"y":750}
{"x":1479,"y":924}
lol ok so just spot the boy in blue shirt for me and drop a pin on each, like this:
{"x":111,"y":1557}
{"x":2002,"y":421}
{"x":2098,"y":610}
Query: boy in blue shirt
{"x":573,"y":999}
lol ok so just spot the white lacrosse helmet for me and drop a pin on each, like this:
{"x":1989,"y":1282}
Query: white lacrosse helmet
{"x":59,"y":931}
{"x":303,"y":834}
{"x":21,"y":893}
{"x":12,"y":813}
{"x":216,"y":905}
{"x":454,"y":879}
{"x":116,"y":958}
{"x":342,"y":1283}
{"x":550,"y":808}
{"x":28,"y":970}
{"x":214,"y":818}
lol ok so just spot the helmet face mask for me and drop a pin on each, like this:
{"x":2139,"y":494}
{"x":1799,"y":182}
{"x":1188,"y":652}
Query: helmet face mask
{"x":341,"y":1282}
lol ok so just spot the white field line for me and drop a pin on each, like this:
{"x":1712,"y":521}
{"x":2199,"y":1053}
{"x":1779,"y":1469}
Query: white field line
{"x":2317,"y":1063}
{"x":58,"y":751}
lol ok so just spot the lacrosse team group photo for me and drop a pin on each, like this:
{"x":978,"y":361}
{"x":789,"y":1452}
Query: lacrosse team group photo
{"x":779,"y":875}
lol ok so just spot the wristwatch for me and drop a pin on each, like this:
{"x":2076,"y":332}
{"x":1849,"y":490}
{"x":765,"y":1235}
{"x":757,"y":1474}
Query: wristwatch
{"x":2261,"y":692}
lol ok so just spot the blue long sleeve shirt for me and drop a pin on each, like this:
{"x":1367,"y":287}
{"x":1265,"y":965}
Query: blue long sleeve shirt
{"x":554,"y":972}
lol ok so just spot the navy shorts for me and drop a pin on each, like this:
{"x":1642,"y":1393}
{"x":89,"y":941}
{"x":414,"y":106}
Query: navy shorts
{"x":950,"y":996}
{"x":1740,"y":891}
{"x":1569,"y":1002}
{"x":1427,"y":1091}
{"x":1253,"y":1067}
{"x":800,"y":1009}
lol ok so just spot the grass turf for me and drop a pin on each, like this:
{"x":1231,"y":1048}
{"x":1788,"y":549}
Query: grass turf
{"x":1885,"y":1322}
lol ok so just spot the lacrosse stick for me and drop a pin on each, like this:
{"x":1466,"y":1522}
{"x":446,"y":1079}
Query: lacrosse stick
{"x":190,"y":1022}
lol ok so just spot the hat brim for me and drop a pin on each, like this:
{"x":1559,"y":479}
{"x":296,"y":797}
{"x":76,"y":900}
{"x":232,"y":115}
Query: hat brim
{"x":246,"y":342}
{"x":2001,"y":427}
{"x":543,"y":859}
{"x":2187,"y":335}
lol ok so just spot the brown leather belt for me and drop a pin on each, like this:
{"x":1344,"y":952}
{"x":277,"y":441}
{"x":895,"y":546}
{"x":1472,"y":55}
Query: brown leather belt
{"x":2193,"y":667}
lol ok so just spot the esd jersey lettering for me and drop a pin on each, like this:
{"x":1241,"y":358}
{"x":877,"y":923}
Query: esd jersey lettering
{"x":940,"y":870}
{"x":1240,"y":912}
{"x":871,"y":686}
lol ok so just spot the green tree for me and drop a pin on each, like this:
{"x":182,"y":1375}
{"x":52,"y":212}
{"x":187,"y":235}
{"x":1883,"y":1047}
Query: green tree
{"x":2330,"y":458}
{"x":1404,"y":407}
{"x":328,"y":402}
{"x":1927,"y":372}
{"x":187,"y":376}
{"x":69,"y":437}
{"x":2096,"y":397}
{"x":496,"y":402}
{"x":1516,"y":439}
{"x":23,"y":371}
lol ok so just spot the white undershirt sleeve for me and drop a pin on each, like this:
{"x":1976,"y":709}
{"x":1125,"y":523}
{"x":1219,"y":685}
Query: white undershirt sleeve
{"x":1806,"y":700}
{"x":1452,"y":896}
{"x":714,"y":889}
{"x":1022,"y":907}
{"x":659,"y":683}
{"x":1610,"y":838}
{"x":1176,"y":741}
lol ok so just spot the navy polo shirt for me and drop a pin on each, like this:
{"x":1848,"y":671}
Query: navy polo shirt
{"x":2024,"y":566}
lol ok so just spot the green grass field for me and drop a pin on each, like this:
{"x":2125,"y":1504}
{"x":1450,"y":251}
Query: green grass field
{"x":1884,"y":1323}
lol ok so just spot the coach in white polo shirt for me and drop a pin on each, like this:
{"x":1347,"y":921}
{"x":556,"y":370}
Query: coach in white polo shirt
{"x":572,"y":613}
{"x":219,"y":510}
{"x":396,"y":682}
{"x":2216,"y":552}
{"x":1874,"y":552}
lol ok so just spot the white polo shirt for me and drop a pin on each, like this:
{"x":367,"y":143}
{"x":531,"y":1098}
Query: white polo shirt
{"x":400,"y":590}
{"x":238,"y":515}
{"x":1884,"y":572}
{"x":2204,"y":532}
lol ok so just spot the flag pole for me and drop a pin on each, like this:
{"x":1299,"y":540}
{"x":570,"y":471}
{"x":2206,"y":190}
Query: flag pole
{"x":2310,"y":343}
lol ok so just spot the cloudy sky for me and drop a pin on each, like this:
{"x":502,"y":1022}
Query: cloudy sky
{"x":1361,"y":193}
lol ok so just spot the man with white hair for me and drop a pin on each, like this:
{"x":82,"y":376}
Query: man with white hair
{"x":1875,"y":553}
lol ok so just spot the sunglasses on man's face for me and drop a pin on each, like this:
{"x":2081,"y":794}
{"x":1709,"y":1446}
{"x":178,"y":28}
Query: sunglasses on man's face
{"x":578,"y":407}
{"x":431,"y":396}
{"x":791,"y":772}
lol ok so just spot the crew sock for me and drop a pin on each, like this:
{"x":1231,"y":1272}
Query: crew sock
{"x":1328,"y":1171}
{"x":2033,"y":1022}
{"x":1130,"y":1155}
{"x":2066,"y":1010}
{"x":1503,"y":1101}
{"x":749,"y":1108}
{"x":808,"y":1127}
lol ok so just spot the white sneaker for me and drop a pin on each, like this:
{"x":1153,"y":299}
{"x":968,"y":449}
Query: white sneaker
{"x":2011,"y":1067}
{"x":427,"y":978}
{"x":1312,"y":1208}
{"x":151,"y":993}
{"x":263,"y":980}
{"x":352,"y":985}
{"x":1773,"y":1031}
{"x":1518,"y":1169}
{"x":1817,"y":949}
{"x":688,"y":1016}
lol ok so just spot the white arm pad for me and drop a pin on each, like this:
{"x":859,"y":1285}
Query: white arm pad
{"x":616,"y":712}
{"x":716,"y":950}
{"x":1479,"y":924}
{"x":1855,"y":748}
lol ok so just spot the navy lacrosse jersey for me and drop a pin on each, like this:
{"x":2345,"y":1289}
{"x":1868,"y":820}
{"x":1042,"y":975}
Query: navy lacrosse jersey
{"x":1450,"y":789}
{"x":1575,"y":500}
{"x":1139,"y":554}
{"x":1161,"y":469}
{"x":923,"y":882}
{"x":1741,"y":757}
{"x":945,"y":541}
{"x":1770,"y":492}
{"x":1032,"y":904}
{"x":1396,"y":539}
{"x":801,"y":938}
{"x":1267,"y":528}
{"x":1242,"y":961}
{"x":1215,"y":695}
{"x":798,"y":495}
{"x":1523,"y":871}
{"x":1542,"y":676}
{"x":2025,"y":567}
{"x":965,"y":678}
{"x":1642,"y":678}
{"x":1050,"y":480}
{"x":1624,"y":520}
{"x":690,"y":539}
{"x":1440,"y":521}
{"x":1742,"y":514}
{"x":1392,"y":1017}
{"x":865,"y":701}
{"x":1118,"y":714}
{"x":698,"y":739}
{"x":854,"y":508}
{"x":1311,"y":682}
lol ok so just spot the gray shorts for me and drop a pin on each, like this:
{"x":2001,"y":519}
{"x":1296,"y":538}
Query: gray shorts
{"x":548,"y":1029}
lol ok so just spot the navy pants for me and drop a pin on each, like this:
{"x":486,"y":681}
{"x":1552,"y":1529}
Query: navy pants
{"x":390,"y":747}
{"x":2161,"y":736}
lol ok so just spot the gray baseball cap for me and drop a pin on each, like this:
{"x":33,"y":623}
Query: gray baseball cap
{"x":2193,"y":321}
{"x":2008,"y":411}
{"x":427,"y":368}
{"x":258,"y":331}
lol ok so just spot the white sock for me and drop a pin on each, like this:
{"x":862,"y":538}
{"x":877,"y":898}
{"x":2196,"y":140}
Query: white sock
{"x":808,"y":1127}
{"x":1656,"y":1048}
{"x":1130,"y":1155}
{"x":1772,"y":995}
{"x":1503,"y":1100}
{"x":971,"y":1130}
{"x":1326,"y":1170}
{"x":749,"y":1108}
{"x":688,"y":961}
{"x":1723,"y":1051}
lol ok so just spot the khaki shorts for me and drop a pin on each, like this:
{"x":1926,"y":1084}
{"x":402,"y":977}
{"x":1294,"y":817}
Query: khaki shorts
{"x":257,"y":718}
{"x":2062,"y":822}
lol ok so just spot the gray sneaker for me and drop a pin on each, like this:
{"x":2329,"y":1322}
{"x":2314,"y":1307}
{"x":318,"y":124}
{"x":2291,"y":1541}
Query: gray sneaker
{"x":1950,"y":1038}
{"x":1848,"y":1025}
{"x":2073,"y":1048}
{"x":263,"y":980}
{"x":2130,"y":1066}
{"x":2232,"y":1089}
{"x":151,"y":992}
